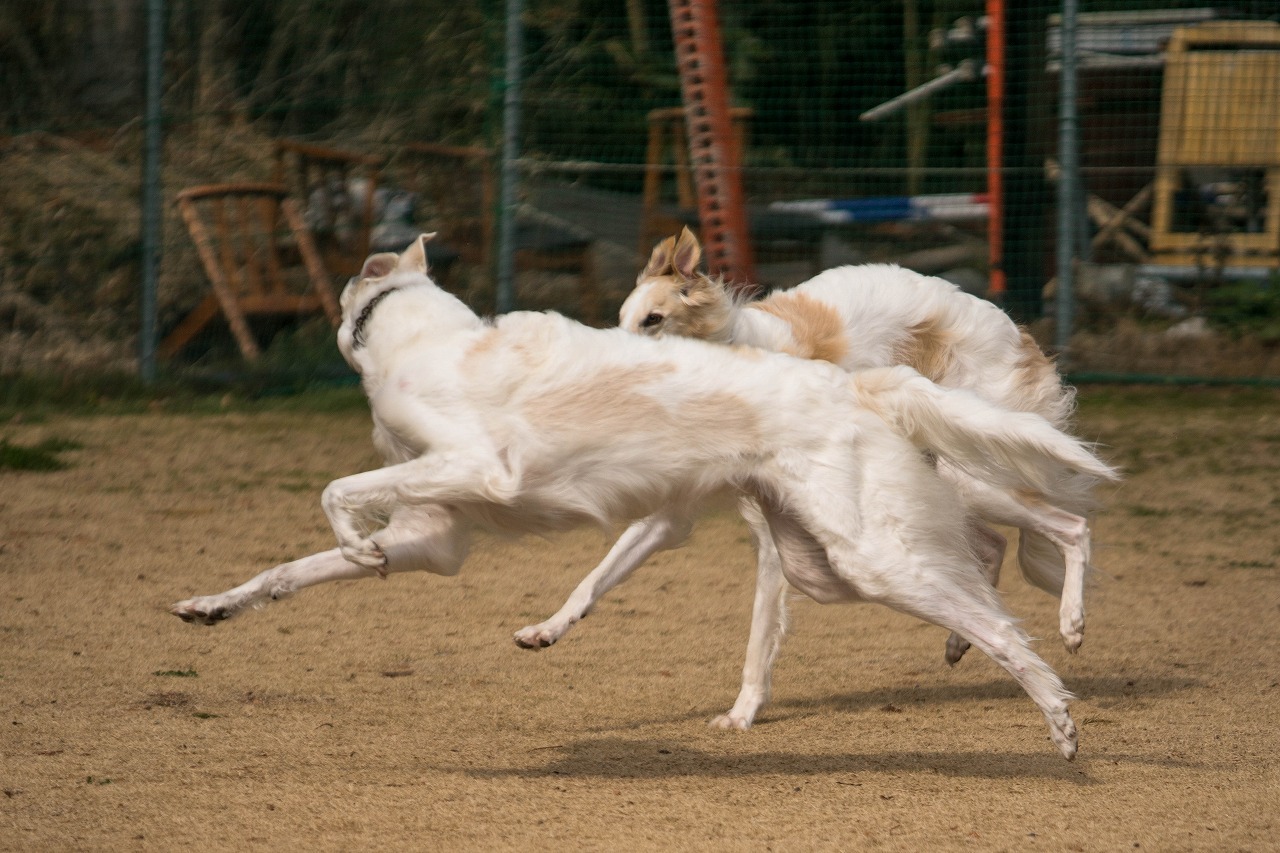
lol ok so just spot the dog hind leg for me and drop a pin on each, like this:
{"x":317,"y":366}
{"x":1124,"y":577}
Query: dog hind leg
{"x":990,"y":547}
{"x":1000,"y":639}
{"x":1069,"y":535}
{"x":910,"y":556}
{"x":1043,"y":526}
{"x":959,"y":599}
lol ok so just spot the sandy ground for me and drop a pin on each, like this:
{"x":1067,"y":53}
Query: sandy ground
{"x":399,"y":715}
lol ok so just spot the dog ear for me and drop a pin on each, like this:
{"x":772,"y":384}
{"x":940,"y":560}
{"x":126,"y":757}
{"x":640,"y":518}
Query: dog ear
{"x":379,"y":265}
{"x":660,"y":260}
{"x":414,"y":258}
{"x":700,"y":291}
{"x":687,"y":255}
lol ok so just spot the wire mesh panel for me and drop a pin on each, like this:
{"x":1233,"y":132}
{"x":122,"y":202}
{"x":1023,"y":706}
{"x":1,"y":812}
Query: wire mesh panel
{"x":917,"y":132}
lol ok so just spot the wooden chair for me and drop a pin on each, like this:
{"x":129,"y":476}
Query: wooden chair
{"x":337,"y":190}
{"x":259,"y":258}
{"x":457,"y":188}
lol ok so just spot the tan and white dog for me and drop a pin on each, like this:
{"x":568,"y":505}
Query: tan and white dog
{"x":867,"y":317}
{"x":534,"y":423}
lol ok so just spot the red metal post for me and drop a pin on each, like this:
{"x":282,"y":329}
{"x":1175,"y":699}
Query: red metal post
{"x":995,"y":145}
{"x":717,"y":171}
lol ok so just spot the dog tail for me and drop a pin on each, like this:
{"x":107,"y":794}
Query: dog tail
{"x":1015,"y":450}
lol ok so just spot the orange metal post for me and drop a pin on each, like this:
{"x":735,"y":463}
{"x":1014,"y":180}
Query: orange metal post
{"x":995,"y":145}
{"x":717,"y":171}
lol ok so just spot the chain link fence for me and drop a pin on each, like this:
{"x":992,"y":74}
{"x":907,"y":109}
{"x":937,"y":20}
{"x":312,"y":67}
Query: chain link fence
{"x":866,"y":133}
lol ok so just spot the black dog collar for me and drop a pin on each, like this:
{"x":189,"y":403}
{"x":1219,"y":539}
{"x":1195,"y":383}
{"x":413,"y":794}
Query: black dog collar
{"x":357,"y":330}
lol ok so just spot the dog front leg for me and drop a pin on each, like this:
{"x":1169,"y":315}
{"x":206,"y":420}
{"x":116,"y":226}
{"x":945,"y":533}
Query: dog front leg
{"x":271,"y":585}
{"x":427,"y":539}
{"x":441,"y":478}
{"x":659,"y":532}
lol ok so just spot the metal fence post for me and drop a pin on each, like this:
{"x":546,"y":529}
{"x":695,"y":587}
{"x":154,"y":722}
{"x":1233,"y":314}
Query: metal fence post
{"x":1068,"y":181}
{"x":151,"y":213}
{"x":505,"y":296}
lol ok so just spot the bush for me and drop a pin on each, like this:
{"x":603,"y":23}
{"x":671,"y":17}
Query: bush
{"x":1247,"y":308}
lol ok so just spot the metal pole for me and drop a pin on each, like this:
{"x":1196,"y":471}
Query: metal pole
{"x":1069,"y":160}
{"x":717,"y":164}
{"x":506,"y":290}
{"x":967,"y":70}
{"x":995,"y":148}
{"x":151,"y":218}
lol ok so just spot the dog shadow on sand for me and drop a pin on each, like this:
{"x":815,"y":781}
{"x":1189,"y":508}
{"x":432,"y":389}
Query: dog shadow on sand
{"x":620,"y":756}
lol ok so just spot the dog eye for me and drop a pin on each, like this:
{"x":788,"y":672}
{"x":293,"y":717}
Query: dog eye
{"x":651,"y":321}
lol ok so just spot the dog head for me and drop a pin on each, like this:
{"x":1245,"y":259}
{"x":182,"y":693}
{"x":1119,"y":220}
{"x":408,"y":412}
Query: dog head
{"x":380,"y":275}
{"x":672,"y":297}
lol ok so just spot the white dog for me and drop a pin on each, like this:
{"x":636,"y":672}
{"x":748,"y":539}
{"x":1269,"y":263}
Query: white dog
{"x":534,"y":423}
{"x":858,"y":318}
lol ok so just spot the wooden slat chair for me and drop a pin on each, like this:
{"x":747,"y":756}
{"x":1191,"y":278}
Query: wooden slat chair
{"x":457,"y":187}
{"x":336,"y":189}
{"x":259,"y":258}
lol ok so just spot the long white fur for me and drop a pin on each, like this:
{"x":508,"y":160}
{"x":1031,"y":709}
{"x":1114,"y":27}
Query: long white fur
{"x":879,"y":315}
{"x":501,"y":424}
{"x":883,"y":313}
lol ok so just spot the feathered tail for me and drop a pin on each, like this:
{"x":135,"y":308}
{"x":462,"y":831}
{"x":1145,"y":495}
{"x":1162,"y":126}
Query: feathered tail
{"x":1015,"y":450}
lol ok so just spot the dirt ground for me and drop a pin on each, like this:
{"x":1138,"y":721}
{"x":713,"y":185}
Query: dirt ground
{"x":399,"y":715}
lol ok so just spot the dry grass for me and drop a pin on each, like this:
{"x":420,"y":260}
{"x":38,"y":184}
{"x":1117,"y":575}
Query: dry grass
{"x":1129,"y":347}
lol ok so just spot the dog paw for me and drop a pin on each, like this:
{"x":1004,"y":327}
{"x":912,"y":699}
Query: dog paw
{"x":730,"y":721}
{"x":1071,"y":627}
{"x":1062,"y":730}
{"x":366,"y":553}
{"x":202,"y":611}
{"x":537,"y":637}
{"x":956,"y":647}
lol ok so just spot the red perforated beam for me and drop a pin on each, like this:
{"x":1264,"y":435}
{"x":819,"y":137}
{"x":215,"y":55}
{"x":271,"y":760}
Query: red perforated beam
{"x":717,"y":170}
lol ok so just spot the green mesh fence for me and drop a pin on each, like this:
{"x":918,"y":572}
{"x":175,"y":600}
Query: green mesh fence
{"x":1174,"y":280}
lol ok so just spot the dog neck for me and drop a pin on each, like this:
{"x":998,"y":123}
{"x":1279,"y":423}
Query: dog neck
{"x":358,"y":328}
{"x":374,"y":340}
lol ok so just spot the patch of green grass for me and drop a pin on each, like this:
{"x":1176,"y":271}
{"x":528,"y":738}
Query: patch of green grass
{"x":35,"y":399}
{"x":57,"y":445}
{"x":300,"y":370}
{"x":1247,"y":307}
{"x":14,"y":457}
{"x":29,"y":395}
{"x":203,"y":715}
{"x":39,"y":457}
{"x":176,"y":673}
{"x":1103,"y":399}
